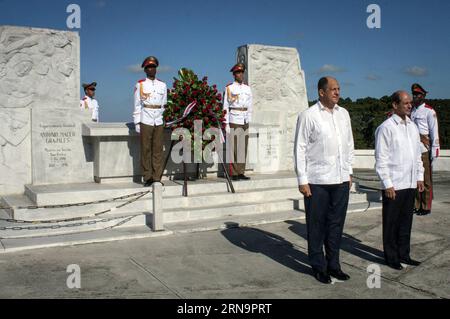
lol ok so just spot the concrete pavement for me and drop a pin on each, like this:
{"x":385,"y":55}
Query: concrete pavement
{"x":261,"y":261}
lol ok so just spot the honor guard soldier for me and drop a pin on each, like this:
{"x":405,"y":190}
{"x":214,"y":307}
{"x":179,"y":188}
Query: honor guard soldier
{"x":238,"y":107}
{"x":88,"y":102}
{"x":425,"y":118}
{"x":150,"y":98}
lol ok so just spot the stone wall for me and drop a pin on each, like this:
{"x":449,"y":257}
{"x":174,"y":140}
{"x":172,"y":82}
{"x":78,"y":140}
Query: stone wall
{"x":40,"y":134}
{"x":279,"y":94}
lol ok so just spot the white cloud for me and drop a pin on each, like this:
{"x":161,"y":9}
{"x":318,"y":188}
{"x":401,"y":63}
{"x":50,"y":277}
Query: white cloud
{"x":136,"y":68}
{"x":165,"y":69}
{"x":330,"y":68}
{"x":416,"y":71}
{"x":373,"y":77}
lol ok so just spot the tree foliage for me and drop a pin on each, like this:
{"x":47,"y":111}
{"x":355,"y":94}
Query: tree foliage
{"x":368,"y":113}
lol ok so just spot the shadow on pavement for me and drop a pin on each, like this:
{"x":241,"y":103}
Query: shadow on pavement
{"x":273,"y":246}
{"x":349,"y":244}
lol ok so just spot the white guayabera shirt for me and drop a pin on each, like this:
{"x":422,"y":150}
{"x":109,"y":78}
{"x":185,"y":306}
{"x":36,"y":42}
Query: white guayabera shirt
{"x":324,"y":146}
{"x":398,"y":153}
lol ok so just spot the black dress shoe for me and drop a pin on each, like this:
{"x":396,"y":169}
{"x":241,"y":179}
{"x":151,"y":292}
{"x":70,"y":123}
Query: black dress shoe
{"x":339,"y":274}
{"x":323,"y":277}
{"x":410,"y":262}
{"x":424,"y":212}
{"x":148,"y":183}
{"x":395,"y":266}
{"x":235,"y":178}
{"x":242,"y":176}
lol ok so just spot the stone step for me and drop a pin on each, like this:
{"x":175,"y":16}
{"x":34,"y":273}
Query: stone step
{"x":241,"y":196}
{"x":144,"y":204}
{"x":124,"y":232}
{"x":86,"y":192}
{"x":25,"y":230}
{"x":357,"y":202}
{"x":282,"y":209}
{"x":185,"y":214}
{"x":253,"y":219}
{"x":99,"y":236}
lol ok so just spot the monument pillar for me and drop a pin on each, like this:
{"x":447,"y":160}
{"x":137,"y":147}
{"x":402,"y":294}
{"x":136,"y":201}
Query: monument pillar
{"x":40,"y":135}
{"x":279,"y":94}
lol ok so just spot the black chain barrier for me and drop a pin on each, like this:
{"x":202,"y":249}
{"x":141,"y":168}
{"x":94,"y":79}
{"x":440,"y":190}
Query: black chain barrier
{"x":77,"y":204}
{"x":137,"y":195}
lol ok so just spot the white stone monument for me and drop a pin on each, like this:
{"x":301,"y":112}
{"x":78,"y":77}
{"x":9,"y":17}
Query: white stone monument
{"x":40,"y":134}
{"x":279,"y":94}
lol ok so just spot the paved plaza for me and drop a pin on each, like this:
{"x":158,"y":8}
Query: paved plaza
{"x":261,"y":261}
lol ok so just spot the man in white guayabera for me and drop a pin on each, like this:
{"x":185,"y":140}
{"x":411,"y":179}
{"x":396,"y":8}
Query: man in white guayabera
{"x":399,"y":165}
{"x":323,"y":162}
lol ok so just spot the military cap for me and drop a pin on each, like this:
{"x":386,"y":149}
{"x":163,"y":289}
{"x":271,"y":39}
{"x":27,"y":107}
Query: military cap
{"x":151,"y":60}
{"x":89,"y":85}
{"x":240,"y":67}
{"x":417,"y":88}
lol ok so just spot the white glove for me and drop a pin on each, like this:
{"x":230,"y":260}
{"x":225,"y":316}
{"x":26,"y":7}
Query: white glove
{"x":137,"y":127}
{"x":227,"y":129}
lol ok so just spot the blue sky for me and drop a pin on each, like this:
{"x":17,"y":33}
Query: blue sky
{"x":413,"y":44}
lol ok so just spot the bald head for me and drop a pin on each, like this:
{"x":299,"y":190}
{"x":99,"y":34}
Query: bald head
{"x":401,"y":103}
{"x":329,"y":91}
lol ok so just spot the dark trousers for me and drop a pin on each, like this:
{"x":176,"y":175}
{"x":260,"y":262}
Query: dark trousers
{"x":152,"y":151}
{"x":424,"y":199}
{"x":325,"y":211}
{"x":237,"y":167}
{"x":397,"y":223}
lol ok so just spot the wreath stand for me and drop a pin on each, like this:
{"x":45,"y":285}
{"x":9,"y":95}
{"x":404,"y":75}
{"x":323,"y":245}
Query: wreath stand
{"x":185,"y":182}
